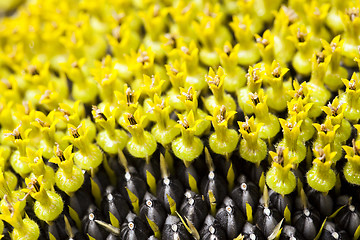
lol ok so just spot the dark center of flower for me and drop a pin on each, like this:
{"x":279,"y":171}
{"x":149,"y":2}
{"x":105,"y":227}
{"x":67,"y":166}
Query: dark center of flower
{"x":35,"y":185}
{"x":98,"y":113}
{"x":322,"y":156}
{"x":116,"y":34}
{"x":227,"y":50}
{"x":263,"y":41}
{"x":290,"y":125}
{"x":333,"y":109}
{"x":188,"y":95}
{"x":352,"y":85}
{"x":186,"y":9}
{"x":143,"y":58}
{"x":208,"y":11}
{"x":185,"y":50}
{"x":353,"y":13}
{"x":320,"y":57}
{"x":42,"y":123}
{"x":356,"y":149}
{"x":246,"y":125}
{"x":75,"y":65}
{"x":333,"y":46}
{"x":254,"y":77}
{"x":66,"y":113}
{"x":291,"y":14}
{"x":16,"y":133}
{"x":131,"y":119}
{"x":153,"y":81}
{"x":276,"y":72}
{"x":74,"y":131}
{"x":162,"y":105}
{"x":9,"y":205}
{"x":280,"y":156}
{"x":59,"y":153}
{"x":174,"y":70}
{"x":222,"y":114}
{"x":129,"y":96}
{"x":26,"y":107}
{"x":171,"y":40}
{"x":214,"y":80}
{"x":300,"y":92}
{"x":7,"y":83}
{"x":184,"y":123}
{"x":32,"y":70}
{"x":156,"y":11}
{"x":317,"y":11}
{"x":300,"y":36}
{"x":119,"y":18}
{"x":242,"y":26}
{"x":46,"y":95}
{"x":324,"y":128}
{"x":254,"y":98}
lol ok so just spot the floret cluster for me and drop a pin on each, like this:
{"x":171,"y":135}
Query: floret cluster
{"x":143,"y":119}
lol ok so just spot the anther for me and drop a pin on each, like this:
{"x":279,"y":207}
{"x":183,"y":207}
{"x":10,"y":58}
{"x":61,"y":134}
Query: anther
{"x":131,"y":119}
{"x":129,"y":96}
{"x":59,"y":153}
{"x":98,"y":113}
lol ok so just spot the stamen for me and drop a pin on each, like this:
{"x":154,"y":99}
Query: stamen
{"x":32,"y":70}
{"x":299,"y":93}
{"x":59,"y":152}
{"x":254,"y":98}
{"x":129,"y":96}
{"x":280,"y":156}
{"x":184,"y":123}
{"x":276,"y":72}
{"x":74,"y":131}
{"x":246,"y":125}
{"x":75,"y":64}
{"x":227,"y":50}
{"x":9,"y":205}
{"x":214,"y":80}
{"x":301,"y":36}
{"x":188,"y":95}
{"x":222,"y":115}
{"x":131,"y":119}
{"x":185,"y":50}
{"x":42,"y":123}
{"x":320,"y":57}
{"x":143,"y":58}
{"x":98,"y":113}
